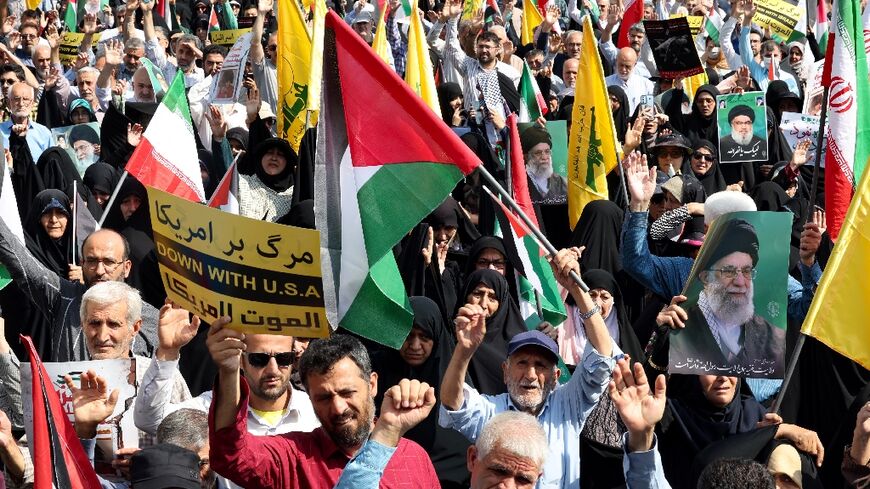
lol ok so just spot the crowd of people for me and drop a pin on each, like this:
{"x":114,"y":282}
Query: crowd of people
{"x":482,"y":391}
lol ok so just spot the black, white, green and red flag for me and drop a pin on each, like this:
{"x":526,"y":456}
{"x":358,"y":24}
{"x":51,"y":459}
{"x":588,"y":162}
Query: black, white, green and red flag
{"x":532,"y":103}
{"x":848,"y":111}
{"x":59,"y":461}
{"x":370,"y":189}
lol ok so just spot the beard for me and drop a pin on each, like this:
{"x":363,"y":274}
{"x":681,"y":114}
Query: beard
{"x":530,"y":400}
{"x":348,"y":435}
{"x":737,"y":309}
{"x":742,"y":139}
{"x":541,"y":171}
{"x":269,"y":393}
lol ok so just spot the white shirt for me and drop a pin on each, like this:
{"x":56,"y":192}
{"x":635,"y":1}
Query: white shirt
{"x":634,"y":88}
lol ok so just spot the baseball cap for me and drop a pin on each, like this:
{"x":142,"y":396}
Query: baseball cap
{"x":534,"y":338}
{"x":165,"y":465}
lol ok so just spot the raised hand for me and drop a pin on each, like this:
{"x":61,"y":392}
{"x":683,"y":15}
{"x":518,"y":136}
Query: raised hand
{"x":92,"y":403}
{"x":114,"y":52}
{"x":252,"y":105}
{"x":81,"y":61}
{"x":174,"y":330}
{"x":634,"y":135}
{"x":225,"y":346}
{"x":673,"y":316}
{"x":639,"y":408}
{"x":89,"y":26}
{"x":405,"y":405}
{"x":811,"y":237}
{"x":801,"y":153}
{"x":8,"y":25}
{"x":134,"y":134}
{"x":53,"y":36}
{"x":264,"y":7}
{"x":640,"y":180}
{"x":428,"y":247}
{"x":615,"y":13}
{"x":860,"y":451}
{"x":470,"y":325}
{"x":13,"y":39}
{"x":551,"y":16}
{"x":564,"y":262}
{"x":217,"y":122}
{"x":744,"y":79}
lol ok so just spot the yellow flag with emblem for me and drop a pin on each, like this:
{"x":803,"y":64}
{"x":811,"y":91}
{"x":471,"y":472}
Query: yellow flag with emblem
{"x":380,"y":44}
{"x":294,"y":70}
{"x":418,"y":66}
{"x":531,"y":18}
{"x":592,"y":147}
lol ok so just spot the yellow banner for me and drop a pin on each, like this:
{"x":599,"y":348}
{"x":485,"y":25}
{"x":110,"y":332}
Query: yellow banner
{"x":266,"y":277}
{"x":316,"y":73}
{"x":592,"y":148}
{"x":69,"y":46}
{"x":227,"y":38}
{"x":780,"y":16}
{"x":294,"y":67}
{"x":380,"y":44}
{"x":532,"y":18}
{"x":470,"y":8}
{"x":695,"y":22}
{"x":418,"y":68}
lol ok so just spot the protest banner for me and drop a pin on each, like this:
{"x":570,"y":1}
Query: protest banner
{"x":80,"y":142}
{"x":558,"y":131}
{"x":225,"y":86}
{"x":227,"y":37}
{"x":778,"y":15}
{"x":742,"y":120}
{"x":673,"y":47}
{"x":69,"y":46}
{"x":736,"y":299}
{"x":801,"y":127}
{"x":118,"y":431}
{"x":695,"y":22}
{"x":266,"y":277}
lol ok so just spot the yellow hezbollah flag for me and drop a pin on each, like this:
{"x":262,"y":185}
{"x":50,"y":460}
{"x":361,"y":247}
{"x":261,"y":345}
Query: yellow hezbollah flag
{"x":418,"y":66}
{"x":380,"y":44}
{"x":837,"y":316}
{"x":471,"y":8}
{"x":693,"y":83}
{"x":531,"y":18}
{"x":294,"y":66}
{"x":316,"y":71}
{"x":592,"y":149}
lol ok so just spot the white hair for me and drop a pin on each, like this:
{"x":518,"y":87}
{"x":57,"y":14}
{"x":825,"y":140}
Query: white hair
{"x":88,"y":69}
{"x":107,"y":293}
{"x":516,"y":432}
{"x":725,"y":202}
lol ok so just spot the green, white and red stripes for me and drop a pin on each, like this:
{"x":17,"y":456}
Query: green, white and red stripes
{"x":532,"y":103}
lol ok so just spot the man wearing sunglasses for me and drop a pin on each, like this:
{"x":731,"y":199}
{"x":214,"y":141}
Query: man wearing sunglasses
{"x":275,"y":407}
{"x":738,"y":341}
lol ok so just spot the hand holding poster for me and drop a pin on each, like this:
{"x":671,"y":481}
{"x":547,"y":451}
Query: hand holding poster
{"x":779,"y":16}
{"x":673,"y":47}
{"x":798,"y":128}
{"x":736,"y":300}
{"x":742,"y":122}
{"x":264,"y":276}
{"x":227,"y":83}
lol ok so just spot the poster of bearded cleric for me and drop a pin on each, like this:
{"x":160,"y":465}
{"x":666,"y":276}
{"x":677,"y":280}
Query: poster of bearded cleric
{"x":736,"y":300}
{"x":81,"y":142}
{"x":742,"y":122}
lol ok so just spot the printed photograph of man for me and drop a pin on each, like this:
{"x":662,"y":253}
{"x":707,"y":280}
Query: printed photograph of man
{"x":741,"y":144}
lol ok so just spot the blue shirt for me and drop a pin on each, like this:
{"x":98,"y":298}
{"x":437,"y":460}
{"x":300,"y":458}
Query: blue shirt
{"x":38,"y":137}
{"x":759,"y":70}
{"x":642,"y":469}
{"x":562,"y":417}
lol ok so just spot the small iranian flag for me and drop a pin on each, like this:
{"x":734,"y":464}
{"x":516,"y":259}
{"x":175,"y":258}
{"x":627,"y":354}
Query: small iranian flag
{"x":166,"y":158}
{"x":370,"y":189}
{"x":532,"y":103}
{"x":226,"y":195}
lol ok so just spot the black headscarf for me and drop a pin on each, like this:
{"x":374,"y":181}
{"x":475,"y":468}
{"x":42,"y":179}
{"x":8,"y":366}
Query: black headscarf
{"x":59,"y":172}
{"x":445,"y":447}
{"x":778,"y":148}
{"x":448,"y":91}
{"x":497,"y":244}
{"x":283,"y":180}
{"x":778,"y":90}
{"x":300,"y":215}
{"x":599,"y":229}
{"x":712,"y":181}
{"x":55,"y":254}
{"x":769,"y":196}
{"x":485,"y":367}
{"x":101,"y":177}
{"x":620,"y":115}
{"x":602,"y":279}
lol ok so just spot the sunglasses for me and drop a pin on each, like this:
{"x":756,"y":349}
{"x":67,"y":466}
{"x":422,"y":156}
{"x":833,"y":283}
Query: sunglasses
{"x":260,"y":360}
{"x":707,"y":158}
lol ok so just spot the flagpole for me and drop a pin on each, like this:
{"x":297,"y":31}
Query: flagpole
{"x":542,"y":240}
{"x":75,"y":211}
{"x":112,"y":199}
{"x":799,"y":345}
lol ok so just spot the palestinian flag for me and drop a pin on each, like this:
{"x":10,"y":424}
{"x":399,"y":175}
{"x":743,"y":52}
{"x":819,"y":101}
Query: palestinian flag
{"x":213,"y":23}
{"x":532,"y":103}
{"x":226,"y":195}
{"x":59,"y":461}
{"x":70,"y":16}
{"x":713,"y":24}
{"x":848,"y":112}
{"x":166,"y":158}
{"x":821,"y":28}
{"x":371,"y":190}
{"x":9,"y":214}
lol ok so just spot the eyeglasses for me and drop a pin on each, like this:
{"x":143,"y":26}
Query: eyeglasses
{"x":260,"y":360}
{"x":731,"y":272}
{"x":671,"y":153}
{"x":701,"y":156}
{"x":9,"y":81}
{"x":484,"y":263}
{"x":21,"y":100}
{"x":109,"y":264}
{"x":542,"y":152}
{"x":29,"y":36}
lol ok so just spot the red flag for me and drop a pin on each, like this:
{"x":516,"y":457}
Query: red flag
{"x":226,"y":195}
{"x":633,"y":14}
{"x":519,"y":180}
{"x":59,"y":461}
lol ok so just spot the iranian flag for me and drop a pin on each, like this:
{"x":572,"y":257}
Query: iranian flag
{"x":537,"y":288}
{"x":383,"y":164}
{"x":633,"y":14}
{"x":166,"y":158}
{"x":532,"y":103}
{"x":848,"y":111}
{"x":226,"y":195}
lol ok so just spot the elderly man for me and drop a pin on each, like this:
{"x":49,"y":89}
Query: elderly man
{"x":88,"y":87}
{"x":538,"y":150}
{"x":105,"y":257}
{"x":362,"y":24}
{"x":84,"y":141}
{"x":337,"y":373}
{"x":737,"y":340}
{"x":20,"y":104}
{"x":626,"y":77}
{"x":187,"y":51}
{"x":275,"y":406}
{"x":531,"y":373}
{"x":742,"y":144}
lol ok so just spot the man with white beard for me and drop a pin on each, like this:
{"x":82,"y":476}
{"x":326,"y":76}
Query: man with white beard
{"x":737,"y":341}
{"x":742,"y":144}
{"x":537,"y":148}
